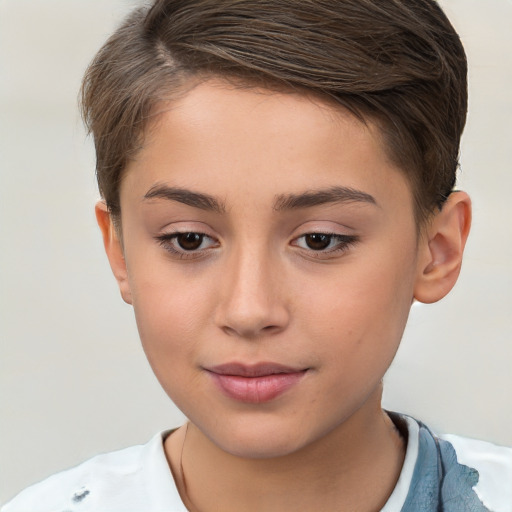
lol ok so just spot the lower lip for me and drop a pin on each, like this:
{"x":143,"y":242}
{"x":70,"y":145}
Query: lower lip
{"x":257,"y":390}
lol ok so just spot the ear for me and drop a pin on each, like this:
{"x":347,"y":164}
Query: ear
{"x":441,"y":249}
{"x":114,"y":250}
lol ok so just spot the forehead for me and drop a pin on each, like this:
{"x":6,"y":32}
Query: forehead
{"x":225,"y":139}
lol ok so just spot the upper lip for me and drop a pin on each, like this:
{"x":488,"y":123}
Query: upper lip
{"x":252,"y":370}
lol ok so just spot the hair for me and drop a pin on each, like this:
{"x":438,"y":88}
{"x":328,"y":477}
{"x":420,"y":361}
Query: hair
{"x":397,"y":63}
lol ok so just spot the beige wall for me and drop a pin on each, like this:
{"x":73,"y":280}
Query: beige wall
{"x":73,"y":379}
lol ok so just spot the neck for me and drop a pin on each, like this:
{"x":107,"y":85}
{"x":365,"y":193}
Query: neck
{"x":333,"y":473}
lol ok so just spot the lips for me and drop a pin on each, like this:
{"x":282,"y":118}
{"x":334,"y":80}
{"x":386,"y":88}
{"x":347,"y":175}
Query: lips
{"x":255,"y":383}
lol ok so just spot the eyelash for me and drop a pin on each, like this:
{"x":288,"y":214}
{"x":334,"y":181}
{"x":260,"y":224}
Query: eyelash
{"x":167,"y":242}
{"x":343,"y":243}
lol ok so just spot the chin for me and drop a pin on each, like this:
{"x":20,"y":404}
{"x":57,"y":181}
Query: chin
{"x":260,"y":448}
{"x":260,"y":440}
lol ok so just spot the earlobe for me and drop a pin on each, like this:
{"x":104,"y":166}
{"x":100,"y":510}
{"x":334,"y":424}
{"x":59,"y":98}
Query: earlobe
{"x":441,"y":250}
{"x":114,"y":250}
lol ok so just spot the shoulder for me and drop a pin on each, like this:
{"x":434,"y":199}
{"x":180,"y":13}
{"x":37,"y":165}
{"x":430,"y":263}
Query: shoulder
{"x":452,"y":473}
{"x":494,"y":467}
{"x":79,"y":485}
{"x":132,"y":479}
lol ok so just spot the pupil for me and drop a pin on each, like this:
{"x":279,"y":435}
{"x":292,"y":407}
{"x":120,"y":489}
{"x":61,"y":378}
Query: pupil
{"x":318,"y":241}
{"x":190,"y":241}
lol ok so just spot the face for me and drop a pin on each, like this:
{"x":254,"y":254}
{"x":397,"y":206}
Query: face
{"x":271,"y":257}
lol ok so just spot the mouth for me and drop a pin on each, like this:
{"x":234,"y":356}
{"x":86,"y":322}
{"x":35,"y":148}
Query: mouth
{"x":256,"y":383}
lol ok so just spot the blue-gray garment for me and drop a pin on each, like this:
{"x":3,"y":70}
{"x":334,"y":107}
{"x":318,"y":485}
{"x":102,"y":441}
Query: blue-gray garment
{"x":439,"y":482}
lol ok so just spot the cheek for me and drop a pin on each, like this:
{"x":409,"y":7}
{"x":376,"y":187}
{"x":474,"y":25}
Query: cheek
{"x":169,"y":322}
{"x":170,"y":311}
{"x":361,"y":312}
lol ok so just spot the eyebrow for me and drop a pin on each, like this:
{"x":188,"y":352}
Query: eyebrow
{"x":188,"y":197}
{"x":282,"y":202}
{"x":320,"y":197}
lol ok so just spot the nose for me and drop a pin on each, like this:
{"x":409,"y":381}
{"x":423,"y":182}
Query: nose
{"x":252,"y":297}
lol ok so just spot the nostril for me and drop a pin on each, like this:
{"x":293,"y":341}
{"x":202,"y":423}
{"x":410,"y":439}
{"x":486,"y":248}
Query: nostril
{"x":229,"y":331}
{"x":251,"y":333}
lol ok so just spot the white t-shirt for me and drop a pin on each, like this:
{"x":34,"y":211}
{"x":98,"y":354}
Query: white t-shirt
{"x":445,"y":473}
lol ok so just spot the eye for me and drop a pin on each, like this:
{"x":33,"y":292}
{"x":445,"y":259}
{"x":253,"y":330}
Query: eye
{"x":186,"y":244}
{"x":189,"y":241}
{"x":318,"y":241}
{"x":324,"y":242}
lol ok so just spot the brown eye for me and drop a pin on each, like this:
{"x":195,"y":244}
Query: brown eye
{"x":317,"y":241}
{"x":324,"y":245}
{"x":189,"y":241}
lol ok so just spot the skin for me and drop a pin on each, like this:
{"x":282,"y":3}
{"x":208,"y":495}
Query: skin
{"x":256,"y":290}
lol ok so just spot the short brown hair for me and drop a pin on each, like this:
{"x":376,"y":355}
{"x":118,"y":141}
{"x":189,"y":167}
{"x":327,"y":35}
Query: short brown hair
{"x":398,"y":63}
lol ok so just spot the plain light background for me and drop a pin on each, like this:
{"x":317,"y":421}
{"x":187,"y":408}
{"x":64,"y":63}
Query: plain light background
{"x":73,"y":379}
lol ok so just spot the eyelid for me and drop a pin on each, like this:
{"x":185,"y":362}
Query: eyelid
{"x":345,"y":241}
{"x":166,"y":241}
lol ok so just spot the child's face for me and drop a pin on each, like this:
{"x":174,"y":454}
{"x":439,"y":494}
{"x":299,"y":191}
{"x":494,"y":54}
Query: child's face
{"x":304,"y":259}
